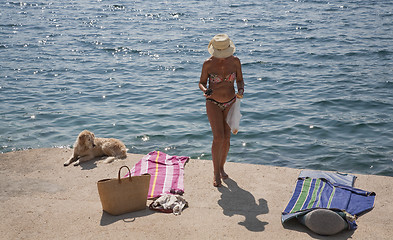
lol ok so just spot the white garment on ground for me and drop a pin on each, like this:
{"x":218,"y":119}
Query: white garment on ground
{"x":169,"y":201}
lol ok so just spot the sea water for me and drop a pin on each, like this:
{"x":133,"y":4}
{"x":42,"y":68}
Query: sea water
{"x":318,"y":78}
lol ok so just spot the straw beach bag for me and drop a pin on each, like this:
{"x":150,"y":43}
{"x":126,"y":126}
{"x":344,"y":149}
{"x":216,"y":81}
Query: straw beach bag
{"x":123,"y":195}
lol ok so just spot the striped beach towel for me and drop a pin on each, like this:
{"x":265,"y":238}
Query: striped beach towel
{"x":167,"y":173}
{"x":312,"y":193}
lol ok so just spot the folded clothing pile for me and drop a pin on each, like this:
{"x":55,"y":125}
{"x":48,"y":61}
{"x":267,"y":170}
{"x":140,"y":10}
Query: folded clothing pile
{"x":169,"y":203}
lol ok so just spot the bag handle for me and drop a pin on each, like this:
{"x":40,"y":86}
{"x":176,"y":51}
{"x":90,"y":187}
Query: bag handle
{"x":129,"y":173}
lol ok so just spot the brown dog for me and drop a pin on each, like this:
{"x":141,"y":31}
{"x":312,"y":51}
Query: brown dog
{"x":87,"y":147}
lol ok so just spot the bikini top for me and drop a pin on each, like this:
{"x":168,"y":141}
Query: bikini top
{"x":215,"y":78}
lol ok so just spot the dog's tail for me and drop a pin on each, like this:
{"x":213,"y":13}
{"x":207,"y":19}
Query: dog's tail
{"x":109,"y":159}
{"x":123,"y":155}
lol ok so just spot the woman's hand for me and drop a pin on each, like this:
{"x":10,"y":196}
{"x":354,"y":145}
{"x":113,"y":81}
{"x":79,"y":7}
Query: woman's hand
{"x":208,"y":92}
{"x":239,"y":93}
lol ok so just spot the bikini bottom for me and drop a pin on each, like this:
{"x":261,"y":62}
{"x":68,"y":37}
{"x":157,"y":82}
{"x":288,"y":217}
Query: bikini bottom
{"x":223,"y":105}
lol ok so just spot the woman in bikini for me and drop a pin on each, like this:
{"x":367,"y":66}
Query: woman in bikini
{"x":221,"y":70}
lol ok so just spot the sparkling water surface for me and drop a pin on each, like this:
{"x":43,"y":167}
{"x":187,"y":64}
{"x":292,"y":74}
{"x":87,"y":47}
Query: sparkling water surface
{"x":318,"y":75}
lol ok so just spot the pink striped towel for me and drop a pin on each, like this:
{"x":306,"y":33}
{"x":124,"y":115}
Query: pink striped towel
{"x":167,"y":173}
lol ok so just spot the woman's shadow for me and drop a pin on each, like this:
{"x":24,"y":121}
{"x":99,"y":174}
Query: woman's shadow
{"x":235,"y":200}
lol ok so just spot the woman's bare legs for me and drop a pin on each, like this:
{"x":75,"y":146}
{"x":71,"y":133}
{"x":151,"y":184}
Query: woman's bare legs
{"x":221,"y":139}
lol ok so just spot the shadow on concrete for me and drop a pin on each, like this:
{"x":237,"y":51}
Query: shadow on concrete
{"x":237,"y":201}
{"x":295,"y":225}
{"x":107,"y":219}
{"x":88,"y":165}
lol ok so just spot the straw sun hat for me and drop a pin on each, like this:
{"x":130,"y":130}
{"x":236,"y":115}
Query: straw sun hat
{"x":221,"y":46}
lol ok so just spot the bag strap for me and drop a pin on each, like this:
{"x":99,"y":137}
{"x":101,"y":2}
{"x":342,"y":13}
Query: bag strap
{"x":129,"y":173}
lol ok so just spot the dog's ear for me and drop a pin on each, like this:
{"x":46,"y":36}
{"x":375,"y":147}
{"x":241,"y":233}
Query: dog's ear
{"x":83,"y":137}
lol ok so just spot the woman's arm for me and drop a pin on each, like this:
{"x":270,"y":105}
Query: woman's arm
{"x":239,"y":79}
{"x":203,"y":78}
